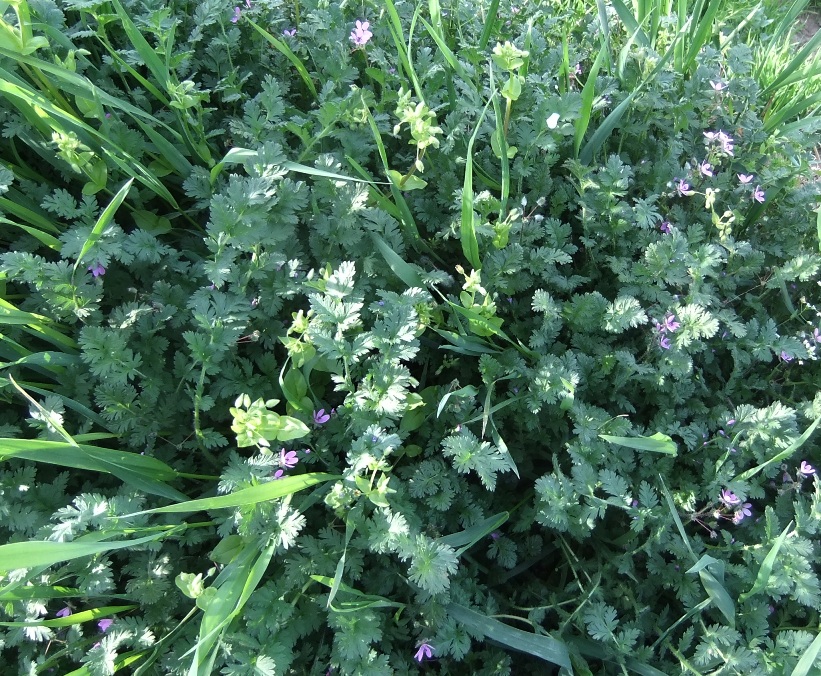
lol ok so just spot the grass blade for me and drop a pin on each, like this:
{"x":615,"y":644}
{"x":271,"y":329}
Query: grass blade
{"x":763,"y":576}
{"x":805,"y":664}
{"x":470,"y":245}
{"x":714,"y":586}
{"x":74,"y":618}
{"x":657,"y":443}
{"x":102,"y":222}
{"x":786,"y":453}
{"x":34,"y":554}
{"x":285,"y":50}
{"x":465,"y":539}
{"x":399,"y":267}
{"x":141,"y":471}
{"x":490,"y":21}
{"x":247,"y":496}
{"x":588,"y":93}
{"x":544,"y":647}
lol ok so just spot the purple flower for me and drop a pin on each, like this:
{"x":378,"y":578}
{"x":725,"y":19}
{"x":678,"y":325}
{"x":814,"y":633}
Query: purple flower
{"x":105,"y":624}
{"x":97,"y":270}
{"x":729,"y":498}
{"x":683,"y":188}
{"x":816,"y":336}
{"x":289,"y":33}
{"x":786,"y":357}
{"x":278,"y":474}
{"x":664,"y":226}
{"x":237,"y":15}
{"x":758,"y":194}
{"x":320,"y":417}
{"x":495,"y":535}
{"x":425,"y":651}
{"x":65,"y":612}
{"x":805,"y":470}
{"x":670,"y":324}
{"x":745,"y":178}
{"x":360,"y":35}
{"x":288,"y":460}
{"x":664,"y":342}
{"x":706,"y":168}
{"x":731,"y":422}
{"x":741,"y":512}
{"x":718,"y":86}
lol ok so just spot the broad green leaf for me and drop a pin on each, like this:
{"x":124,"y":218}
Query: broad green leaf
{"x":657,"y":443}
{"x":544,"y":647}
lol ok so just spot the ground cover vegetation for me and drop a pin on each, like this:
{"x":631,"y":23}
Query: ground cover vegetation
{"x":397,"y":337}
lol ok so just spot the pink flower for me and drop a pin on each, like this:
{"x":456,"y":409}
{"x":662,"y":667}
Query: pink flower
{"x":320,"y":417}
{"x":360,"y":35}
{"x":758,"y":194}
{"x":105,"y":624}
{"x":289,"y":33}
{"x":278,"y":474}
{"x":237,"y":15}
{"x":706,"y":168}
{"x":664,"y":226}
{"x":745,"y":178}
{"x":805,"y":470}
{"x":718,"y":86}
{"x":65,"y":612}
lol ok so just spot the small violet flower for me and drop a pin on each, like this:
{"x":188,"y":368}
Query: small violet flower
{"x":105,"y":624}
{"x":806,"y":470}
{"x":758,"y":194}
{"x":425,"y":651}
{"x":237,"y":15}
{"x":718,"y":86}
{"x":320,"y":417}
{"x":683,"y":188}
{"x":64,"y":612}
{"x":278,"y":474}
{"x":744,"y":510}
{"x":664,"y":226}
{"x":729,"y":498}
{"x":745,"y":178}
{"x":670,"y":324}
{"x":786,"y":357}
{"x":289,"y":33}
{"x":664,"y":342}
{"x":706,"y":168}
{"x":288,"y":460}
{"x":361,"y":34}
{"x":97,"y":270}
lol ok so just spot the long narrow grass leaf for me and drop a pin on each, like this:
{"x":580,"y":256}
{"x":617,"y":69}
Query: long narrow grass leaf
{"x":247,"y":496}
{"x":467,"y":232}
{"x":102,"y":222}
{"x":783,"y":455}
{"x":806,"y":665}
{"x":766,"y":568}
{"x":657,"y":443}
{"x":285,"y":50}
{"x":74,"y":618}
{"x":34,"y":554}
{"x":544,"y":647}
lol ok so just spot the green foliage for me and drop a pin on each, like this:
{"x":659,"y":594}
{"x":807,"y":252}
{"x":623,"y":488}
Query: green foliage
{"x":258,"y":414}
